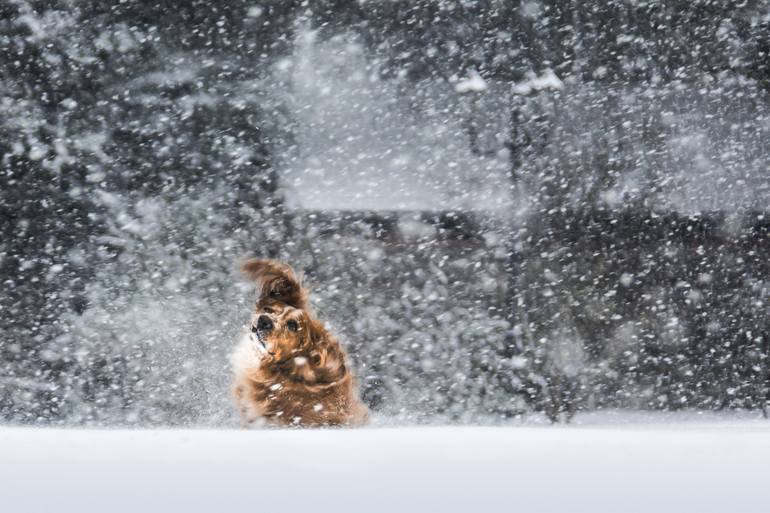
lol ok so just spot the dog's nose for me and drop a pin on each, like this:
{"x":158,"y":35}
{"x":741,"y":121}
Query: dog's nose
{"x":264,"y":323}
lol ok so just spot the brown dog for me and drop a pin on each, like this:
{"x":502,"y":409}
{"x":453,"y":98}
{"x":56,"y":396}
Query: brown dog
{"x":288,"y":369}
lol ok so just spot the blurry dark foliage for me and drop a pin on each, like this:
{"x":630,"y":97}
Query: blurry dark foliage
{"x":605,"y":40}
{"x":670,"y":311}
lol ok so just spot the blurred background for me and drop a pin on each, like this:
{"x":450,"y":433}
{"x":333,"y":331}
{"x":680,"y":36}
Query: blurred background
{"x":507,"y":210}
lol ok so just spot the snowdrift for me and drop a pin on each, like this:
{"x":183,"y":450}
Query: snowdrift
{"x":715,"y":467}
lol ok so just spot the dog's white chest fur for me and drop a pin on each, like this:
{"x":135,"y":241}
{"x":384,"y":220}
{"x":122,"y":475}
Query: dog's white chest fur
{"x":246,"y":355}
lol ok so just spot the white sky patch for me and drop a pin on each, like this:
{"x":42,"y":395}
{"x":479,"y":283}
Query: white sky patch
{"x":380,"y":148}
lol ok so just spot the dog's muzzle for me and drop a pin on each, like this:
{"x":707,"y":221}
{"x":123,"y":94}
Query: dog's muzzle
{"x":260,"y":331}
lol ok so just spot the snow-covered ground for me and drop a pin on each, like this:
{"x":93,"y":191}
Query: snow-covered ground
{"x":624,"y":465}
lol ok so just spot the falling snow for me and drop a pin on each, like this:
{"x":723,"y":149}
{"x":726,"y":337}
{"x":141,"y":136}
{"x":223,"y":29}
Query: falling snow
{"x":505,"y":210}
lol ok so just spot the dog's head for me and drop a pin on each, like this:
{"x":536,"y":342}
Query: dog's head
{"x":283,"y":329}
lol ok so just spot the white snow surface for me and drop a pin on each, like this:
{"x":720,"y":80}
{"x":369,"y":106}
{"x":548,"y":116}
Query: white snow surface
{"x":598,"y":466}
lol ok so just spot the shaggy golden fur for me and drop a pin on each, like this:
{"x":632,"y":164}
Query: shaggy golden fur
{"x":289,"y":370}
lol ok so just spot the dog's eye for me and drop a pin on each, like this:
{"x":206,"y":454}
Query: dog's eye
{"x":267,"y":309}
{"x":292,"y":325}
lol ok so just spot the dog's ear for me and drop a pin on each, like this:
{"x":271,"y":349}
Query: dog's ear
{"x":275,"y":280}
{"x":326,"y":357}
